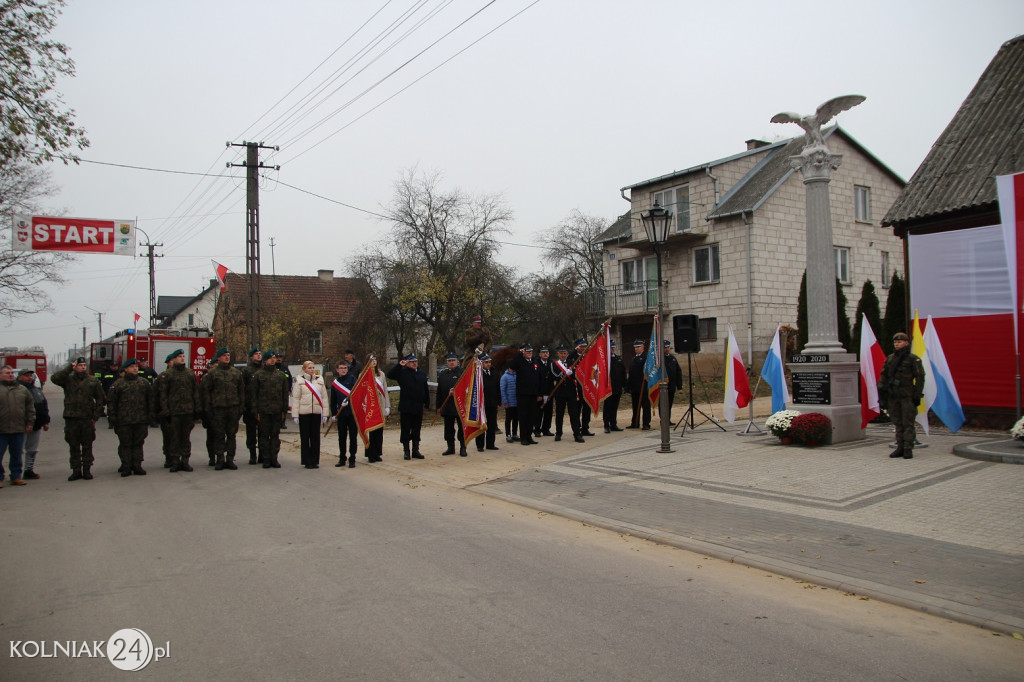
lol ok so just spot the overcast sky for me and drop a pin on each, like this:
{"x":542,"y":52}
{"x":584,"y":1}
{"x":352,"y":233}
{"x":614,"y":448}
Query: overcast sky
{"x":554,"y":104}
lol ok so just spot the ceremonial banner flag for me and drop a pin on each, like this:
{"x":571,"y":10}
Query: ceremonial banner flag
{"x":945,"y":402}
{"x":774,"y":374}
{"x":593,"y":372}
{"x":1011,"y":210}
{"x":737,"y":387}
{"x":918,"y":348}
{"x":366,"y":404}
{"x":871,"y":360}
{"x":77,"y":235}
{"x":468,"y":396}
{"x":221,"y":271}
{"x":652,"y":366}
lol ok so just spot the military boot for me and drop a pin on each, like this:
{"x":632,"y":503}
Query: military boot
{"x":138,"y":470}
{"x":76,"y":474}
{"x":462,"y":451}
{"x":229,"y":463}
{"x":416,"y":454}
{"x":213,"y":460}
{"x":86,"y":473}
{"x":219,"y":466}
{"x":351,"y":461}
{"x":405,"y":449}
{"x":898,"y":452}
{"x":185,"y":465}
{"x":908,"y":454}
{"x":253,"y":458}
{"x":175,"y":466}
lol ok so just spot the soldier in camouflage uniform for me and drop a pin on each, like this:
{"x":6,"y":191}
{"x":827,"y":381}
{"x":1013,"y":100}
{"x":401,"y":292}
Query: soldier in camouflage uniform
{"x":83,"y":405}
{"x":162,"y":417}
{"x":267,"y":402}
{"x":900,"y":390}
{"x":130,"y":410}
{"x":179,"y":404}
{"x":249,"y":419}
{"x":222,"y":397}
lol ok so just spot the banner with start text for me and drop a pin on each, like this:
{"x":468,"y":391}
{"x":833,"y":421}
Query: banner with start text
{"x":77,"y":235}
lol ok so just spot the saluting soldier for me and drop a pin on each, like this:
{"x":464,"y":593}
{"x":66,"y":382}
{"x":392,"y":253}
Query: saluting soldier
{"x":178,"y":397}
{"x":249,"y":418}
{"x":268,"y":403}
{"x":531,"y":388}
{"x":565,"y":395}
{"x":222,"y":397}
{"x":130,"y":410}
{"x":413,"y":401}
{"x":901,"y":388}
{"x":446,"y":380}
{"x":83,"y":404}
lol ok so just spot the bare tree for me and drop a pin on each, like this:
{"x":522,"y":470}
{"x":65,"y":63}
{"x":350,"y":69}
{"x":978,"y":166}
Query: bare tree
{"x":569,"y":249}
{"x":23,"y":273}
{"x":437,"y":266}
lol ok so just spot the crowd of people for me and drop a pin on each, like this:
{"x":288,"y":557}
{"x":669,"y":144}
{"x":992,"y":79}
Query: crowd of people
{"x":536,"y":392}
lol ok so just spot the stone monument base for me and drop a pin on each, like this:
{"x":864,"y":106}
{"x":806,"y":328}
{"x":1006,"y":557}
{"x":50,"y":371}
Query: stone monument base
{"x":829,"y":384}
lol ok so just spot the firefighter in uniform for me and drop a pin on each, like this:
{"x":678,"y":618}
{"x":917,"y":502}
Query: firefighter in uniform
{"x":413,"y":400}
{"x":446,"y":380}
{"x":130,"y":410}
{"x":566,"y":396}
{"x":222,"y":396}
{"x":610,"y":408}
{"x":585,"y":412}
{"x":178,"y":398}
{"x":547,"y":410}
{"x":83,"y":405}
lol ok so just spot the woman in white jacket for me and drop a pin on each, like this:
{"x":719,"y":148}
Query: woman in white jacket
{"x":309,"y":410}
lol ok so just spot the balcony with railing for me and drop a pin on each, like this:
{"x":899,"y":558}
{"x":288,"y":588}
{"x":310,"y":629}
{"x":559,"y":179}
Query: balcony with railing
{"x":621,"y":299}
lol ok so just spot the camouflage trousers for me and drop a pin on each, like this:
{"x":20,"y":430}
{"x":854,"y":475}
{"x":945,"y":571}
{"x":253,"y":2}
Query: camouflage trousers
{"x":178,"y":437}
{"x":80,"y":432}
{"x":270,"y":436}
{"x":223,"y":429}
{"x":130,"y":438}
{"x":903,"y":412}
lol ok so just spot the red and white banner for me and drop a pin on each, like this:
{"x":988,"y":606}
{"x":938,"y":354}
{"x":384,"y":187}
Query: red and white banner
{"x":593,"y":371}
{"x":77,"y":235}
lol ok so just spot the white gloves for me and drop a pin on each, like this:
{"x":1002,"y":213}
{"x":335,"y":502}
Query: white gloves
{"x":295,"y":419}
{"x":334,"y":420}
{"x":323,"y":420}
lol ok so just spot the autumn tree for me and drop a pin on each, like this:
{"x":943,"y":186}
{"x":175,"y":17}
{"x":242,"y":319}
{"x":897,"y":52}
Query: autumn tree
{"x":35,"y":124}
{"x":896,"y":318}
{"x":436,"y":268}
{"x":867,"y":306}
{"x":23,"y":274}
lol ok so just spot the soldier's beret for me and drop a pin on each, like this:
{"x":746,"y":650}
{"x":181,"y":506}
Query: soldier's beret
{"x":900,"y":336}
{"x":411,"y":357}
{"x":173,"y":354}
{"x":267,"y":354}
{"x":254,"y":351}
{"x":79,"y":361}
{"x":560,"y":347}
{"x":128,"y":363}
{"x":451,"y":356}
{"x":220,"y":352}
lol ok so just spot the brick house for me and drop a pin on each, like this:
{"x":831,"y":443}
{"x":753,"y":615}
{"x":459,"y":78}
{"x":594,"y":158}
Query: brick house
{"x":737,"y":248}
{"x":307,"y":318}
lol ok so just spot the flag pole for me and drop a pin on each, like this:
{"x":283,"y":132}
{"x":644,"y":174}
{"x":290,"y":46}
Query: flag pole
{"x":750,"y":422}
{"x":577,"y":361}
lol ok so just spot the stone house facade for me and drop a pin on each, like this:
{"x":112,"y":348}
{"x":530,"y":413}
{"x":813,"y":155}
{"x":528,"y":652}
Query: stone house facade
{"x":737,"y":249}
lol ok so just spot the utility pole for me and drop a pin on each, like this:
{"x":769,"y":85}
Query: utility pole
{"x":252,"y":233}
{"x":152,"y":278}
{"x":99,"y":321}
{"x":273,"y":265}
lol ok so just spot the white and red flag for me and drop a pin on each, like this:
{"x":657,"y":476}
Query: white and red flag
{"x":593,"y":371}
{"x":221,"y":271}
{"x":872,"y":357}
{"x":737,"y":387}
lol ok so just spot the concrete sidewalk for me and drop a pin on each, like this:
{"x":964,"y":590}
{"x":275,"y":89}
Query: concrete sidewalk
{"x":939,"y":533}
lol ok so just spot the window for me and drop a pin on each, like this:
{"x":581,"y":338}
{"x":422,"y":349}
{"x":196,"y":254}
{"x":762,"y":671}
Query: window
{"x":315,"y":344}
{"x":631,"y":277}
{"x":886,"y":275}
{"x":676,"y":200}
{"x":705,"y":264}
{"x":843,"y":264}
{"x":191,"y":319}
{"x":708,"y":328}
{"x":862,"y":204}
{"x":639,"y":274}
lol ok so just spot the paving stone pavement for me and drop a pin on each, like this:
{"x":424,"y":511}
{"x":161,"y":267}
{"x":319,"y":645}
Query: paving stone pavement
{"x":940,"y":533}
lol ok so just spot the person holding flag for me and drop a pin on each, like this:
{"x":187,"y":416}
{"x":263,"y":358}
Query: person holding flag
{"x":369,"y":404}
{"x":565,"y":395}
{"x":309,"y":411}
{"x":341,"y":388}
{"x":580,"y":347}
{"x":492,"y":396}
{"x":653,"y":368}
{"x":375,"y":439}
{"x":638,"y":388}
{"x":447,"y":378}
{"x":900,"y":392}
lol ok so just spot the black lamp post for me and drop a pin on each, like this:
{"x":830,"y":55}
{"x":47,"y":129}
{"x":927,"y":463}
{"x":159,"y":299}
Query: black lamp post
{"x":656,"y":225}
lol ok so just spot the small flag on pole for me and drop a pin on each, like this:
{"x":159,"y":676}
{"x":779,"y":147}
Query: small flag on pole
{"x":737,"y":387}
{"x":945,"y":402}
{"x":872,"y":357}
{"x":774,"y":374}
{"x":221,"y":271}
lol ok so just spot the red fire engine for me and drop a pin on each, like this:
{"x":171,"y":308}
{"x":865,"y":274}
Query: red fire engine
{"x":32,"y":358}
{"x":153,"y":346}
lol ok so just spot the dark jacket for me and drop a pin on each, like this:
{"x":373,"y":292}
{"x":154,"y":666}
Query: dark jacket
{"x":446,"y":380}
{"x":222,"y":387}
{"x":83,"y":394}
{"x":636,"y":373}
{"x":617,"y":374}
{"x":268,"y":391}
{"x":530,"y":381}
{"x":17,"y":411}
{"x":902,"y":378}
{"x":492,"y":388}
{"x":177,"y":391}
{"x":42,"y":407}
{"x":337,"y":397}
{"x":568,"y":388}
{"x":674,"y":372}
{"x":414,"y":396}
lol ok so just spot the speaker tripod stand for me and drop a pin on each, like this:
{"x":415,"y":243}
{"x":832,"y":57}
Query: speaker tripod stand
{"x":692,"y":409}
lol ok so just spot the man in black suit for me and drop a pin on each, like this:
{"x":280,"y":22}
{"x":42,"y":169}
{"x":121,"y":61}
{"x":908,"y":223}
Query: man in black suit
{"x":531,"y":387}
{"x":413,"y":401}
{"x":638,"y":389}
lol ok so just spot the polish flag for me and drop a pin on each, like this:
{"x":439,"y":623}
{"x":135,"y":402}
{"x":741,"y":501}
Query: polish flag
{"x":221,"y":271}
{"x":737,"y":388}
{"x":871,"y":360}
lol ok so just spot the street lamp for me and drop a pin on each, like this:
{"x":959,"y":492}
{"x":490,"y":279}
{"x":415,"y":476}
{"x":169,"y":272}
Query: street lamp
{"x":656,"y":224}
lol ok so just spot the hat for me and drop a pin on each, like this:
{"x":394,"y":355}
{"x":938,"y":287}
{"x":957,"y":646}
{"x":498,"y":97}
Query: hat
{"x":173,"y":354}
{"x":527,"y":347}
{"x":220,"y":352}
{"x":477,"y":318}
{"x":267,"y":354}
{"x":638,"y":343}
{"x":451,"y":356}
{"x":545,"y":349}
{"x":25,"y":371}
{"x":128,"y":363}
{"x":349,"y":351}
{"x":561,"y":347}
{"x":668,"y":344}
{"x":254,"y":351}
{"x":900,"y":336}
{"x":612,"y":342}
{"x":485,"y":358}
{"x":580,"y":342}
{"x":78,"y":361}
{"x":411,"y":357}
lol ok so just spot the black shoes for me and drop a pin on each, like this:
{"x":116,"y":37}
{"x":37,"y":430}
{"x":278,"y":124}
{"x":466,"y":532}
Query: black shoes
{"x":492,"y":447}
{"x":341,"y":462}
{"x":614,"y":428}
{"x":185,"y":466}
{"x":579,"y":439}
{"x":30,"y":475}
{"x":908,"y":454}
{"x":75,"y":475}
{"x":449,"y":451}
{"x":138,"y":470}
{"x":86,"y":474}
{"x":417,"y":455}
{"x":587,"y":432}
{"x":898,"y":452}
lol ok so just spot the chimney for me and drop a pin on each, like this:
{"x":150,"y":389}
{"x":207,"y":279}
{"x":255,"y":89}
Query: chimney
{"x":325,"y":275}
{"x":756,"y":144}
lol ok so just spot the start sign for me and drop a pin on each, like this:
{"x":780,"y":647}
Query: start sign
{"x":78,"y":235}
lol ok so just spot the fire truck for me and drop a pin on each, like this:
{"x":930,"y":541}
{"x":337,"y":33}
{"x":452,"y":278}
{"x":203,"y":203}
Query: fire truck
{"x":32,"y":358}
{"x":153,"y":345}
